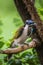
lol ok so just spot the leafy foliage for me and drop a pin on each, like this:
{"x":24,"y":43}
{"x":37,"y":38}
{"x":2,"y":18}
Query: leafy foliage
{"x":24,"y":58}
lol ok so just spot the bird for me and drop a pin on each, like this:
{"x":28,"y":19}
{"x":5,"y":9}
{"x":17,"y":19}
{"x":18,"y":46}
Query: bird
{"x":22,"y":34}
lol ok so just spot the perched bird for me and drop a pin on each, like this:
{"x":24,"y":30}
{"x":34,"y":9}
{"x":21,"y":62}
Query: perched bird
{"x":29,"y":28}
{"x":22,"y":34}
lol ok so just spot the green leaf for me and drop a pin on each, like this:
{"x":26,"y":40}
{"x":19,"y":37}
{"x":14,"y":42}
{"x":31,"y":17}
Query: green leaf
{"x":1,"y":44}
{"x":1,"y":62}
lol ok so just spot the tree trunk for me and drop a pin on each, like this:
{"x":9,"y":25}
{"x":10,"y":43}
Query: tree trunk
{"x":27,"y":10}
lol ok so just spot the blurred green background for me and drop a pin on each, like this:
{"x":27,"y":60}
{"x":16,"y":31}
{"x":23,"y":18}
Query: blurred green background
{"x":8,"y":18}
{"x":10,"y":21}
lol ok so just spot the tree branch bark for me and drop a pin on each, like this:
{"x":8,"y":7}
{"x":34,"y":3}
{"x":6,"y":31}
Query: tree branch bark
{"x":32,"y":10}
{"x":28,"y":11}
{"x":32,"y":44}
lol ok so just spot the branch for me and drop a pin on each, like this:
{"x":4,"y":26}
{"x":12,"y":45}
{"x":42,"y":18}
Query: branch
{"x":32,"y":44}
